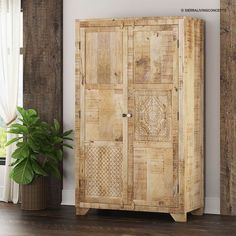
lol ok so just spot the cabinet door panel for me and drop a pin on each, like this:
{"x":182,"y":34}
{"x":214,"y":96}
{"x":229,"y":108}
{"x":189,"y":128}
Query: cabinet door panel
{"x":103,"y":172}
{"x":103,"y":158}
{"x":153,"y":129}
{"x":154,"y":56}
{"x":154,"y":176}
{"x":104,"y":55}
{"x":103,"y":115}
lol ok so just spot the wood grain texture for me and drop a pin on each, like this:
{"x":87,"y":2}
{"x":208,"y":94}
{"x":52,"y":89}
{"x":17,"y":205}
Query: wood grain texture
{"x":154,"y":105}
{"x":64,"y":222}
{"x":181,"y":217}
{"x":227,"y":107}
{"x":193,"y":102}
{"x":159,"y":83}
{"x":43,"y":67}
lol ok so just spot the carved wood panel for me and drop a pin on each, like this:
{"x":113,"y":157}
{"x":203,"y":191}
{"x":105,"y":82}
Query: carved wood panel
{"x":102,"y":125}
{"x":153,"y":116}
{"x":103,"y":171}
{"x":154,"y":102}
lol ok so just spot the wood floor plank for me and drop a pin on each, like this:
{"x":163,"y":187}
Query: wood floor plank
{"x":63,"y":221}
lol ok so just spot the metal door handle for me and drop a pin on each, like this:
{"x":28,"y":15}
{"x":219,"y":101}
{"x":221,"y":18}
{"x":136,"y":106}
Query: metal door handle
{"x":127,"y":115}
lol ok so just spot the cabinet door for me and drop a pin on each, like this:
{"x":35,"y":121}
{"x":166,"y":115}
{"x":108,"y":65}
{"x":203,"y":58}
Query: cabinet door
{"x":153,"y":103}
{"x":102,"y":141}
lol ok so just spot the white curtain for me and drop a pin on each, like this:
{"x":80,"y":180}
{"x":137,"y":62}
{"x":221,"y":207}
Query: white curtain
{"x":9,"y":76}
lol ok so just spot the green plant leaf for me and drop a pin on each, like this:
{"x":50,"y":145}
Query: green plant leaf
{"x":20,"y":119}
{"x":18,"y":129}
{"x":20,"y":144}
{"x":33,"y":157}
{"x":16,"y":162}
{"x":21,"y":152}
{"x":25,"y":116}
{"x":44,"y":125}
{"x":14,"y":131}
{"x":22,"y":111}
{"x":37,"y":168}
{"x":67,"y":145}
{"x":68,"y":132}
{"x":12,"y":141}
{"x":53,"y":159}
{"x":33,"y":145}
{"x":57,"y":140}
{"x":23,"y":173}
{"x":59,"y":154}
{"x":32,"y":112}
{"x":40,"y":139}
{"x":34,"y":120}
{"x":56,"y":125}
{"x":67,"y":138}
{"x":52,"y":169}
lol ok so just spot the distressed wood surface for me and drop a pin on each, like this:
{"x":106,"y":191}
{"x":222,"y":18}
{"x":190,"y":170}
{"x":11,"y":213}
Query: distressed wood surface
{"x":43,"y":67}
{"x":193,"y":103}
{"x":63,"y":222}
{"x":139,"y":115}
{"x":133,"y":21}
{"x":227,"y":108}
{"x":102,"y":156}
{"x":154,"y":107}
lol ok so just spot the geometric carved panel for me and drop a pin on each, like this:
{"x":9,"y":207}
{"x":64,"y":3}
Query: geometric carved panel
{"x":153,"y":116}
{"x":103,"y":171}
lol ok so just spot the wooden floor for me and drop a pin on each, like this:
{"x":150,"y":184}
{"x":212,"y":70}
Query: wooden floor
{"x":63,"y":221}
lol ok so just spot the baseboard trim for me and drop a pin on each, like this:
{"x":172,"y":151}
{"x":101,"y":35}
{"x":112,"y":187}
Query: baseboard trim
{"x":68,"y":197}
{"x":1,"y":193}
{"x":212,"y":204}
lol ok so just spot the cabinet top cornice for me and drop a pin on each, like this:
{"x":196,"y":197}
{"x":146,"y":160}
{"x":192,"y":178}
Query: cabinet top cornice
{"x":134,"y":21}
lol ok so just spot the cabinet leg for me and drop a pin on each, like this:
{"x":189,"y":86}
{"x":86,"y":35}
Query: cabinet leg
{"x":182,"y":217}
{"x":81,"y":211}
{"x":198,"y":212}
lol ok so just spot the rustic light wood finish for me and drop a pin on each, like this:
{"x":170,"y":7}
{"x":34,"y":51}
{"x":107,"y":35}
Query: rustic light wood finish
{"x":227,"y":107}
{"x":43,"y":68}
{"x":181,"y":217}
{"x":81,"y":211}
{"x":151,"y":157}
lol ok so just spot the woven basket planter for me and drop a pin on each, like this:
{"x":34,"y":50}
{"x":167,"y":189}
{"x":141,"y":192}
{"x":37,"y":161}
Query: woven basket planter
{"x":34,"y":195}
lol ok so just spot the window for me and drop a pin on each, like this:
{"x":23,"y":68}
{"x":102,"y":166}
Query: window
{"x":3,"y":139}
{"x":3,"y":136}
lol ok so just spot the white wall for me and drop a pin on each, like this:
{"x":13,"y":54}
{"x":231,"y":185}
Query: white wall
{"x":84,"y":9}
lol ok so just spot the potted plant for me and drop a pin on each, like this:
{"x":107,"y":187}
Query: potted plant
{"x":39,"y":150}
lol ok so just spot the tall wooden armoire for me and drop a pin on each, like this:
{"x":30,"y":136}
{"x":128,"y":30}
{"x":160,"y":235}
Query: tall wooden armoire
{"x":140,"y":115}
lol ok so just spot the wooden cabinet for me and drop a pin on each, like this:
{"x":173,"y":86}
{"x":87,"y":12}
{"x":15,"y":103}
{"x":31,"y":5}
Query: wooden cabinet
{"x":139,"y":115}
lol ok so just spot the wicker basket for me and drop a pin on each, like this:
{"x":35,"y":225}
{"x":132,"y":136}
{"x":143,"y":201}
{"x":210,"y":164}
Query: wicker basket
{"x":34,"y":195}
